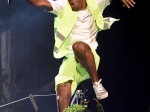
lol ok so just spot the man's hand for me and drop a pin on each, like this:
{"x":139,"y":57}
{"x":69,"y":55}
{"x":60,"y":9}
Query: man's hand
{"x":128,"y":3}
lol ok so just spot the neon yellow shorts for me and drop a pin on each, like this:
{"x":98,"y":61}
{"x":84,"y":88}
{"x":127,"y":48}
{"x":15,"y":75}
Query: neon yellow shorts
{"x":71,"y":70}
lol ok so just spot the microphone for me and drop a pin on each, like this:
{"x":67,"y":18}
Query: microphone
{"x":9,"y":2}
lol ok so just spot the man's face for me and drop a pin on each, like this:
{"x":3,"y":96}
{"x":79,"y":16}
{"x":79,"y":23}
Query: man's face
{"x":77,"y":4}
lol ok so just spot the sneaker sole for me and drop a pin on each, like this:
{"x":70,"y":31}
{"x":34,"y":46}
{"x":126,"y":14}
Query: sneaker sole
{"x":102,"y":96}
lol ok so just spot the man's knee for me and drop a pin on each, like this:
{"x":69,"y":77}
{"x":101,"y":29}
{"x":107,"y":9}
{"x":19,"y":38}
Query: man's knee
{"x":64,"y":90}
{"x":80,"y":47}
{"x":64,"y":93}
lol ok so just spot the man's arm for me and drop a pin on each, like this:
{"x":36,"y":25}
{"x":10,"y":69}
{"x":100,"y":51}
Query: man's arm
{"x":41,"y":3}
{"x":128,"y":3}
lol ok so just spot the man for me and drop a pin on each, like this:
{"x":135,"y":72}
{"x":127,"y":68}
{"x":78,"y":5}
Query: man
{"x":76,"y":27}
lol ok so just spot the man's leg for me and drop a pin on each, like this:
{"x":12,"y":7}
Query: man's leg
{"x":86,"y":58}
{"x":63,"y":95}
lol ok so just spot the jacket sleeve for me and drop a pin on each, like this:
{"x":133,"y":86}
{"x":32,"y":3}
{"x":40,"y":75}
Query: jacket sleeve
{"x":58,"y":6}
{"x":103,"y":4}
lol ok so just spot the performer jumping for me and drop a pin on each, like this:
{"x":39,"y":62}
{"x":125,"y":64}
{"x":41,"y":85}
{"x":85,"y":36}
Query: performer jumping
{"x":76,"y":26}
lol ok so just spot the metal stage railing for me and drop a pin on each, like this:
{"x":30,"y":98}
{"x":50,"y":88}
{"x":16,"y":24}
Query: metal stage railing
{"x":31,"y":97}
{"x":78,"y":98}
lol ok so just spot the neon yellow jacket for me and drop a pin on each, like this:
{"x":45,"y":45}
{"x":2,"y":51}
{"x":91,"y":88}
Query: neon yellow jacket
{"x":66,"y":20}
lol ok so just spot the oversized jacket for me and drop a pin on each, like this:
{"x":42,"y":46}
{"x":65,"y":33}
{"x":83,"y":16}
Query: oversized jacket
{"x":65,"y":21}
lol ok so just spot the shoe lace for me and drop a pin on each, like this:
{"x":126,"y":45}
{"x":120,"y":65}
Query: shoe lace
{"x":99,"y":86}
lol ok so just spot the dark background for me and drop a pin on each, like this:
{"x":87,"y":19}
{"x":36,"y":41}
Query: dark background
{"x":28,"y":66}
